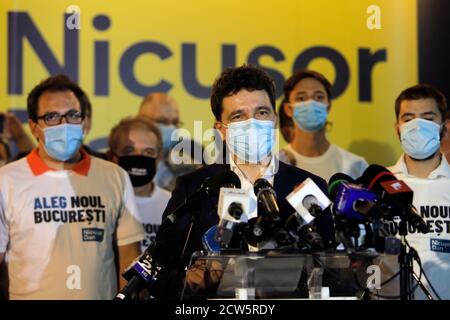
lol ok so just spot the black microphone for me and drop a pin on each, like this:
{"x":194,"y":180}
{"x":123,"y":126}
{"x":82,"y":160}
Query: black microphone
{"x":304,"y":234}
{"x":311,"y":204}
{"x":141,"y":273}
{"x":267,"y":196}
{"x":210,"y":187}
{"x":395,"y":196}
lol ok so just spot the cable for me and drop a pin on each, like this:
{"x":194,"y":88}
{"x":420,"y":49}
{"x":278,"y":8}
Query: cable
{"x":390,"y":279}
{"x":416,"y":256}
{"x":380,"y":295}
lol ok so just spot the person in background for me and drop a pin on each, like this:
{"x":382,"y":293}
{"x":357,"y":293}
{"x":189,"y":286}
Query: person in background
{"x":14,"y":132}
{"x":65,"y":217}
{"x":5,"y":153}
{"x":163,"y":110}
{"x":307,"y":96}
{"x":5,"y":156}
{"x":420,"y":113}
{"x":286,"y":124}
{"x":135,"y":144}
{"x":445,"y":143}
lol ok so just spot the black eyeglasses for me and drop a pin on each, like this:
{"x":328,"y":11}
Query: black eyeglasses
{"x":54,"y":118}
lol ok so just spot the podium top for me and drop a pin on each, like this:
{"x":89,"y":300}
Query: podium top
{"x":275,"y":274}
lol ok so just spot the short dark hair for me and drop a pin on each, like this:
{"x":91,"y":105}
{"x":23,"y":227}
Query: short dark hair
{"x":233,"y":80}
{"x":422,"y":91}
{"x":298,"y":76}
{"x":55,"y":83}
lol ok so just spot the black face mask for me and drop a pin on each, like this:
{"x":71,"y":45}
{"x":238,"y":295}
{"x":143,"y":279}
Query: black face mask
{"x":141,"y":169}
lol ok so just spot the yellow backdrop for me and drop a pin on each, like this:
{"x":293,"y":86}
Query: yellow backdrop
{"x":277,"y":30}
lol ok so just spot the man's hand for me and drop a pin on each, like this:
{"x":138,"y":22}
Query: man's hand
{"x":204,"y":274}
{"x":127,"y":254}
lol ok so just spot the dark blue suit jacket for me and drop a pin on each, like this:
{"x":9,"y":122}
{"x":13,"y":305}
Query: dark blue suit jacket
{"x":171,"y":237}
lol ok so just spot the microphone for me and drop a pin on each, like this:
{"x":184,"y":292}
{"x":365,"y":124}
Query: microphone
{"x":308,"y":200}
{"x":209,"y":240}
{"x":141,"y":273}
{"x":232,"y":208}
{"x":304,"y":234}
{"x":351,"y":200}
{"x":210,"y":187}
{"x":395,"y":196}
{"x":267,"y":196}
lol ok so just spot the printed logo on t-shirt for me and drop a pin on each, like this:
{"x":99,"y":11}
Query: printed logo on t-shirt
{"x":437,"y":219}
{"x":150,"y":234}
{"x":440,"y":245}
{"x":92,"y":234}
{"x":73,"y":209}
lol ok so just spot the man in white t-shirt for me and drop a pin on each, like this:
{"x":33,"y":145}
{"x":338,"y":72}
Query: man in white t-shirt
{"x":420,"y":126}
{"x":307,"y":96}
{"x":63,"y":213}
{"x":136,"y":145}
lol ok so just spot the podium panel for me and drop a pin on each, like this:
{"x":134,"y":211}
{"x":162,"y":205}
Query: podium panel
{"x":277,"y":275}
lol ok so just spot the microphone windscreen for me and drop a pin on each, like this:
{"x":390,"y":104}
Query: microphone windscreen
{"x":261,"y":184}
{"x":335,"y":181}
{"x":373,"y":175}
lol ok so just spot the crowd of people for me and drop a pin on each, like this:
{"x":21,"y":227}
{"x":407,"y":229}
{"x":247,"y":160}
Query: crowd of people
{"x":72,"y":218}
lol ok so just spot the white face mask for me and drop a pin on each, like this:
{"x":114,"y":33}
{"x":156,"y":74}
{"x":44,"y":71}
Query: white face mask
{"x":251,"y":140}
{"x":310,"y":115}
{"x":420,"y":138}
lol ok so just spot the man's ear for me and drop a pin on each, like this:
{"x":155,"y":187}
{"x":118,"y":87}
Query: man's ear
{"x":221,"y":128}
{"x":445,"y":129}
{"x":397,"y":129}
{"x":33,"y":128}
{"x":86,"y":126}
{"x":288,"y":109}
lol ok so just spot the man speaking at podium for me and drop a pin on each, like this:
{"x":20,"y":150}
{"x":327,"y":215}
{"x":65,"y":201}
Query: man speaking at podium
{"x":243,"y":103}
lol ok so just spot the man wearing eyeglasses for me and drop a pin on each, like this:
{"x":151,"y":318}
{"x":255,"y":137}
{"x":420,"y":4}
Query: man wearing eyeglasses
{"x":64,"y":214}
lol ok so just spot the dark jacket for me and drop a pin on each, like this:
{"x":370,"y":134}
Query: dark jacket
{"x":171,"y":237}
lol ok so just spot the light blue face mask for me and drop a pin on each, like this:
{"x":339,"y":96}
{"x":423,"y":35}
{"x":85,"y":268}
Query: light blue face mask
{"x":310,"y":115}
{"x":251,"y":140}
{"x":63,"y":141}
{"x":420,"y":138}
{"x":166,"y":134}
